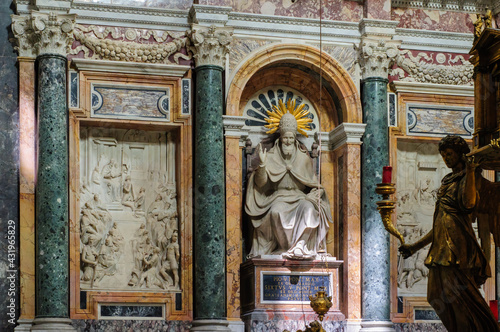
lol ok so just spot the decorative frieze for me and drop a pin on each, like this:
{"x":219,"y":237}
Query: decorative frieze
{"x":120,"y":44}
{"x":376,"y":57}
{"x":436,"y":68}
{"x":210,"y":44}
{"x":42,"y":33}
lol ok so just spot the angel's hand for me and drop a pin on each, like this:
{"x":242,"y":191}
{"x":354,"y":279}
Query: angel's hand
{"x":406,"y":250}
{"x":471,"y":163}
{"x":262,"y":155}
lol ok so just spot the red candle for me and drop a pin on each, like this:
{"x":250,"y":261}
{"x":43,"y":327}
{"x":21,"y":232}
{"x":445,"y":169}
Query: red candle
{"x":494,"y":308}
{"x":387,"y":174}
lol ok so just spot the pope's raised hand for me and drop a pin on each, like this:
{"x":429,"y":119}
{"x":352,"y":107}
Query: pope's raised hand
{"x":262,"y":155}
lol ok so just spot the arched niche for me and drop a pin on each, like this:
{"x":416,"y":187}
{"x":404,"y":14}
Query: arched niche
{"x":301,"y":67}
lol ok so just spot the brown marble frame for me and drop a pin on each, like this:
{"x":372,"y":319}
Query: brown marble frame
{"x":397,"y":134}
{"x":180,"y":125}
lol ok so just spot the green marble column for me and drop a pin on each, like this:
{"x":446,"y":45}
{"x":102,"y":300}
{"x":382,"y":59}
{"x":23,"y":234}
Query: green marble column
{"x":52,"y":262}
{"x":210,"y":46}
{"x":209,"y":195}
{"x":375,"y":239}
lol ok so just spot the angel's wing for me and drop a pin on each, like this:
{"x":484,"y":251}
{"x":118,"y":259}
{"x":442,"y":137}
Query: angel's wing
{"x":488,"y":211}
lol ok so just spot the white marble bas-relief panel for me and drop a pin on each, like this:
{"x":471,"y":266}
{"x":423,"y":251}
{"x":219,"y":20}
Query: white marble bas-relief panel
{"x":420,"y":170}
{"x":129,"y":237}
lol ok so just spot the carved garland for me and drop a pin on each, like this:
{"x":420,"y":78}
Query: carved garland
{"x":420,"y":69}
{"x":125,"y":45}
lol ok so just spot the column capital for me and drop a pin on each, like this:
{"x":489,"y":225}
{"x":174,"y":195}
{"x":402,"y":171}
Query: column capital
{"x":24,"y":36}
{"x":376,"y":56}
{"x":40,"y":33}
{"x":210,"y":45}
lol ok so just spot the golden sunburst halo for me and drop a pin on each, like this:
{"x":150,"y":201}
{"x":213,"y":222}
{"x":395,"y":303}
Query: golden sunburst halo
{"x":299,"y":113}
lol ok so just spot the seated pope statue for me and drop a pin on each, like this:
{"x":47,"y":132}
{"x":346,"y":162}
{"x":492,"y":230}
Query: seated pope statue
{"x":287,"y":205}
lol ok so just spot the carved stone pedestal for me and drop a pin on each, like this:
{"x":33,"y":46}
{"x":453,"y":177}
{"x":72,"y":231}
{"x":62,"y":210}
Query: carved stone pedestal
{"x":277,"y":290}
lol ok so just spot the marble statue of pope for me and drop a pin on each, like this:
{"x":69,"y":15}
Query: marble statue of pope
{"x":287,"y":206}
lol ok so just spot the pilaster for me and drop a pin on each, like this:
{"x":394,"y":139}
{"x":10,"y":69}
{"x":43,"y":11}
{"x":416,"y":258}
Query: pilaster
{"x":209,"y":46}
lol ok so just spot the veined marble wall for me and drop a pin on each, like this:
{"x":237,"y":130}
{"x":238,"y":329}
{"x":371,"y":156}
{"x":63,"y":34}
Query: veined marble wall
{"x":452,"y":21}
{"x":9,"y":176}
{"x":420,"y":170}
{"x":129,"y":226}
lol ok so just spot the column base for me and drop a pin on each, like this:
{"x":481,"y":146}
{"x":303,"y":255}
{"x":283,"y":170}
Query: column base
{"x":236,"y":325}
{"x":353,"y":325}
{"x":24,"y":325}
{"x":210,"y":325}
{"x":377,"y":326}
{"x":52,"y":324}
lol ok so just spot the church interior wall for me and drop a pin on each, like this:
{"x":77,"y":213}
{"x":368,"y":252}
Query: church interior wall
{"x":431,"y":82}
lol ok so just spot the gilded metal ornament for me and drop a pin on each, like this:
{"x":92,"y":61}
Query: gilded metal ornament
{"x":386,"y":206}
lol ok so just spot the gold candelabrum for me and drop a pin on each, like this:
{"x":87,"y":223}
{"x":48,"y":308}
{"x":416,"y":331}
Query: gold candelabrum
{"x":320,"y":303}
{"x":386,"y":206}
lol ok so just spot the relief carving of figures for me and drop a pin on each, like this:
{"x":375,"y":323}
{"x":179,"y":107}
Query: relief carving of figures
{"x":416,"y":198}
{"x":112,"y":177}
{"x":122,"y":44}
{"x":412,"y":270}
{"x":432,"y":68}
{"x":129,"y":237}
{"x":286,"y":204}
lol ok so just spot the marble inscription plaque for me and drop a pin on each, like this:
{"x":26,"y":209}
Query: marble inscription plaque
{"x":134,"y":103}
{"x":292,"y":287}
{"x":425,"y":120}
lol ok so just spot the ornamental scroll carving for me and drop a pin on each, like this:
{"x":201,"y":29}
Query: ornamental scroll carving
{"x":210,"y":45}
{"x":123,"y":44}
{"x":41,"y":33}
{"x":433,"y":68}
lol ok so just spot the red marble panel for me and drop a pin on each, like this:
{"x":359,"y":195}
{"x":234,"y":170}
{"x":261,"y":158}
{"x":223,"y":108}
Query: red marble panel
{"x":434,"y":20}
{"x":378,"y":9}
{"x":338,"y":10}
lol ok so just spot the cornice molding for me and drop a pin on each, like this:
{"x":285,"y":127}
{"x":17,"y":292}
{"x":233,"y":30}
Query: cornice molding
{"x":234,"y":126}
{"x":469,"y":6}
{"x":293,"y":27}
{"x":377,"y":28}
{"x":209,"y":15}
{"x":346,"y":133}
{"x":440,"y":41}
{"x":430,"y":88}
{"x":104,"y":14}
{"x":130,"y":67}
